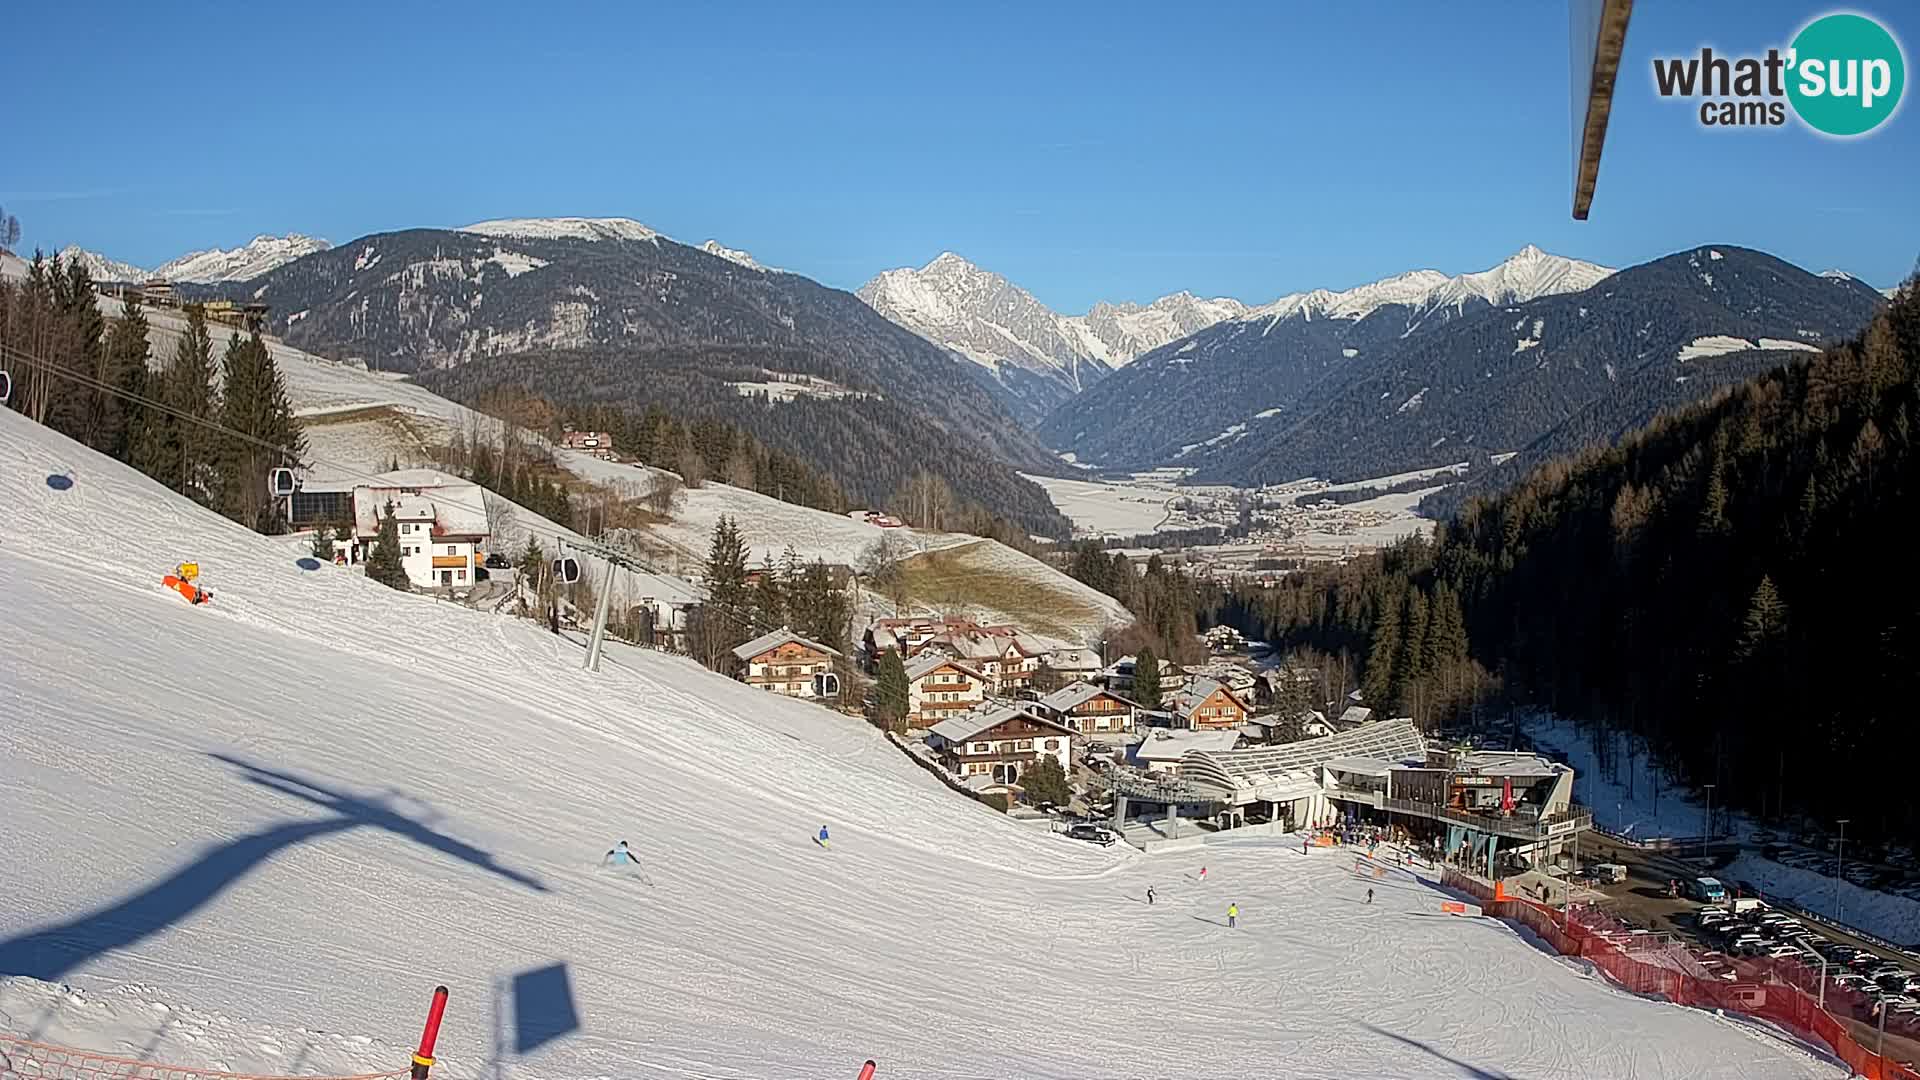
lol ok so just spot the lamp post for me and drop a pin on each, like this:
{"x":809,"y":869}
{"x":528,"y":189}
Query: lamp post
{"x":1840,"y":867}
{"x":1709,"y":833}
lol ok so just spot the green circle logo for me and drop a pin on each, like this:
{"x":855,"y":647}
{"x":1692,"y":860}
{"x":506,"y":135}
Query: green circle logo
{"x":1847,"y":74}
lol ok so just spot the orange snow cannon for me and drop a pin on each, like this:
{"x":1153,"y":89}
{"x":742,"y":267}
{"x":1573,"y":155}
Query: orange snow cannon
{"x":183,"y":581}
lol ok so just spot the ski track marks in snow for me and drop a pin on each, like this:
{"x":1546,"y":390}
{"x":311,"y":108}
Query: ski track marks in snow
{"x":299,"y":808}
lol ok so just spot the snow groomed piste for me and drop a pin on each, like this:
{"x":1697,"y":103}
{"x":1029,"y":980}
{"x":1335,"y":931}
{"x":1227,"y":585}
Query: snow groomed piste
{"x":246,"y":835}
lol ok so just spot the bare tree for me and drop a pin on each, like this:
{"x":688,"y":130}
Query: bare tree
{"x":9,"y":229}
{"x":503,"y":530}
{"x":883,"y":565}
{"x":665,"y":494}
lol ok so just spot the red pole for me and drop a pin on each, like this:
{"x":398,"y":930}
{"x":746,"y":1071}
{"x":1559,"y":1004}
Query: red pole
{"x":423,"y":1057}
{"x":866,"y":1071}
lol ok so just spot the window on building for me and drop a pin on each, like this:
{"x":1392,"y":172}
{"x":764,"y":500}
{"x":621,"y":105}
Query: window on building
{"x":450,"y":550}
{"x":1023,"y":744}
{"x":459,"y":575}
{"x":982,"y":748}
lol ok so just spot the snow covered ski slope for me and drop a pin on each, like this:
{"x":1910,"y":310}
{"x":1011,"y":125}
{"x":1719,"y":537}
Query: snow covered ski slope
{"x":255,"y":834}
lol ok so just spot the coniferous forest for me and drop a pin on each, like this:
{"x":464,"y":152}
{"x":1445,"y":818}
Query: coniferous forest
{"x":1729,"y":585}
{"x":208,"y":421}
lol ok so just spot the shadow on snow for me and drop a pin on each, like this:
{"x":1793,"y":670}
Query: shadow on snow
{"x":51,"y":952}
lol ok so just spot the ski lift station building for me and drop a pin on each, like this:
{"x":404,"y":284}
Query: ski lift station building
{"x":1482,"y":804}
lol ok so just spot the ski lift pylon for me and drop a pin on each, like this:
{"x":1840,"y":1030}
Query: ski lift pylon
{"x":280,"y":483}
{"x":566,"y":571}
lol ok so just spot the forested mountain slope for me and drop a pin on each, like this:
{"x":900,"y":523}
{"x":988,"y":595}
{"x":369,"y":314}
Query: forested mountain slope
{"x":1731,"y":583}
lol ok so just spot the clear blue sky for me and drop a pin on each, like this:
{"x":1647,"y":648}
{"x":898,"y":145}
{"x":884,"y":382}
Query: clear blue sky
{"x":1086,"y":151}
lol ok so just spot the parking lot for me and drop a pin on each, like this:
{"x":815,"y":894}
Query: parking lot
{"x":1860,"y":973}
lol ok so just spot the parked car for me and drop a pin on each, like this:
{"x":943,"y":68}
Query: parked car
{"x":1097,"y":834}
{"x":1705,"y":889}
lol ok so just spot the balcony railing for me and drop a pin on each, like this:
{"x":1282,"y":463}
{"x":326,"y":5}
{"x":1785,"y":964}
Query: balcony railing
{"x":1520,"y":824}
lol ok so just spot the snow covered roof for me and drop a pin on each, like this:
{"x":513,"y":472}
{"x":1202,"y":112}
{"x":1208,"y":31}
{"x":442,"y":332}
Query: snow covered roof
{"x":1187,"y":702}
{"x":776,"y":638}
{"x":1078,"y":693}
{"x":929,"y":662}
{"x":969,"y":724}
{"x":1510,"y":763}
{"x":1355,"y":716}
{"x":456,"y":507}
{"x":664,"y":589}
{"x":1390,"y":740}
{"x":1162,"y":744}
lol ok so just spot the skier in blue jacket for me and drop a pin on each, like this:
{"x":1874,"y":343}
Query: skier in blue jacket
{"x":823,"y":836}
{"x":620,"y":856}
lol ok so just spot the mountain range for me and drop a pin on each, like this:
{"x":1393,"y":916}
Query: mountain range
{"x":612,"y":312}
{"x":1211,"y":386}
{"x":1033,"y":356}
{"x":952,"y":363}
{"x":250,"y":260}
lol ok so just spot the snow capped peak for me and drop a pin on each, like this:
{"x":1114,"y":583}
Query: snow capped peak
{"x":1526,"y":275}
{"x":732,"y":255}
{"x":250,"y":260}
{"x":1837,"y":274}
{"x":101,"y":267}
{"x":565,"y":228}
{"x":988,"y":319}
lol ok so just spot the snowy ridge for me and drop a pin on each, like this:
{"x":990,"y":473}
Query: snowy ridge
{"x":262,"y":850}
{"x":1528,"y":274}
{"x":987,"y":319}
{"x":101,"y":267}
{"x":565,"y":228}
{"x":734,"y":255}
{"x":244,"y":263}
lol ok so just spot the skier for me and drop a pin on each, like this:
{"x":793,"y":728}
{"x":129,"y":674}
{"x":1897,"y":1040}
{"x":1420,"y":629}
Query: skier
{"x":822,"y":838}
{"x":1233,"y":915}
{"x":1149,"y":896}
{"x":1369,"y":896}
{"x":620,"y":856}
{"x":1203,"y":874}
{"x":1303,"y":845}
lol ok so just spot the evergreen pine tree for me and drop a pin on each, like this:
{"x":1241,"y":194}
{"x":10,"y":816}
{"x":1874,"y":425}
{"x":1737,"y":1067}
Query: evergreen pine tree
{"x":1146,"y":678}
{"x":186,"y":437}
{"x":890,"y":697}
{"x":323,"y":543}
{"x":730,"y":616}
{"x":384,"y":563}
{"x":258,"y":418}
{"x":769,"y":600}
{"x":128,"y":352}
{"x":1045,"y":781}
{"x":826,"y":609}
{"x":1379,"y":682}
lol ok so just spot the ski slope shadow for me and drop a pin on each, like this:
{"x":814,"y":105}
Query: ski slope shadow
{"x":1464,"y":1067}
{"x":52,"y":952}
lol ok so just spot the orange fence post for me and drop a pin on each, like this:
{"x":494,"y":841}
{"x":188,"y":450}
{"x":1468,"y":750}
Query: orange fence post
{"x":866,"y":1071}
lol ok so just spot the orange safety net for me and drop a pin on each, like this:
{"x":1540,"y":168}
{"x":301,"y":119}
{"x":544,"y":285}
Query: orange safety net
{"x":29,"y":1060}
{"x":1783,"y":991}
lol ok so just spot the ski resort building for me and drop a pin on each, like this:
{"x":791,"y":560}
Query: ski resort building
{"x":939,"y":686}
{"x":1163,"y":748}
{"x":999,"y":742}
{"x":1088,"y":709}
{"x":442,"y":525}
{"x":1480,"y":807}
{"x":783,"y":662}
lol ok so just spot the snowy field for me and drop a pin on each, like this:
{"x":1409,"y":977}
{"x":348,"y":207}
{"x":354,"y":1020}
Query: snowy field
{"x":254,"y":835}
{"x":1101,"y":509}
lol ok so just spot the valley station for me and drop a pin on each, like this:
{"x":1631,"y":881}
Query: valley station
{"x":1498,"y":810}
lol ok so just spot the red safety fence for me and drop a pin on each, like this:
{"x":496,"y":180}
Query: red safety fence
{"x":1780,"y":991}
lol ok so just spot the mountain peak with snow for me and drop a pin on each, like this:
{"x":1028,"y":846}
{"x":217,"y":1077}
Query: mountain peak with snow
{"x":733,"y":255}
{"x":565,"y":228}
{"x":1525,"y":275}
{"x":100,"y":266}
{"x":250,"y":260}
